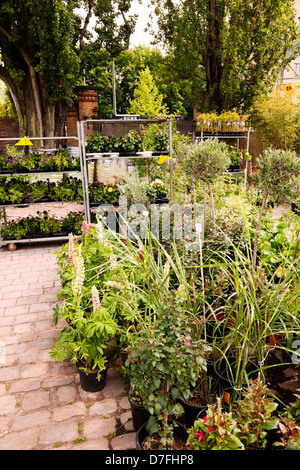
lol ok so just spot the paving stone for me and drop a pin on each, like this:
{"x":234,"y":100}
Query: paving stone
{"x":7,"y":405}
{"x":126,"y":421}
{"x":33,"y":370}
{"x":25,"y":385}
{"x":96,"y":428}
{"x":124,"y":403}
{"x":104,"y":407}
{"x":65,"y":431}
{"x":9,"y":373}
{"x":114,"y":387}
{"x":23,"y":440}
{"x":65,"y":412}
{"x":31,"y":420}
{"x":98,"y":444}
{"x":35,"y":400}
{"x":124,"y":442}
{"x":66,"y":393}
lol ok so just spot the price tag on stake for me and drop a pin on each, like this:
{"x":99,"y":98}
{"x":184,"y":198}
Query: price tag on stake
{"x":226,"y":397}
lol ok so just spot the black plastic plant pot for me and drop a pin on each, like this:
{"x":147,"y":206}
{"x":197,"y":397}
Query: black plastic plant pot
{"x":216,"y":331}
{"x":157,"y":153}
{"x":89,"y":381}
{"x":225,"y":369}
{"x":192,"y":411}
{"x":234,"y":168}
{"x":163,"y":200}
{"x":180,"y":432}
{"x":140,"y":415}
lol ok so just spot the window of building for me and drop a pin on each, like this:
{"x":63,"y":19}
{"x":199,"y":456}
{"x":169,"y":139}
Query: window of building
{"x":296,"y":70}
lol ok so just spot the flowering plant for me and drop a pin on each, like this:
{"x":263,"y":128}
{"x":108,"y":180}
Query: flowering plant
{"x":156,"y":190}
{"x":105,"y":193}
{"x":216,"y":431}
{"x":161,"y":141}
{"x":163,"y":366}
{"x":255,"y":415}
{"x":132,"y":142}
{"x":85,"y":340}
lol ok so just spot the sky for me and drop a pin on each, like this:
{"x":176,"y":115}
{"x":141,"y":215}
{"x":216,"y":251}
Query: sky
{"x":140,"y":37}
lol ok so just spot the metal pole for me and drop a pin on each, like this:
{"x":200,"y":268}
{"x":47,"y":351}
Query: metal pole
{"x":114,"y":87}
{"x":85,"y":174}
{"x":171,"y":163}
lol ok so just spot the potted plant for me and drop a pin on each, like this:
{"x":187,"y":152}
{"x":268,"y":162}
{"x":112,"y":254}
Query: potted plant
{"x":255,"y":415}
{"x":96,"y":143}
{"x":85,"y":341}
{"x":206,"y":392}
{"x":235,"y":160}
{"x":163,"y":366}
{"x":206,"y":162}
{"x":279,"y":178}
{"x":157,"y":192}
{"x":217,"y":430}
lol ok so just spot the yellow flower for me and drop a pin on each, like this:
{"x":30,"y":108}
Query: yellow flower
{"x":110,"y":190}
{"x":279,"y":272}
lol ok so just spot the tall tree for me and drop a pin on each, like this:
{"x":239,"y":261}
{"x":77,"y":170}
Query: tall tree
{"x":231,"y":50}
{"x":147,"y":99}
{"x":42,"y":43}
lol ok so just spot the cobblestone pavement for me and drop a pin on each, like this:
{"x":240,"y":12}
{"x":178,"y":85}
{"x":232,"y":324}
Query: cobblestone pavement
{"x":42,"y":405}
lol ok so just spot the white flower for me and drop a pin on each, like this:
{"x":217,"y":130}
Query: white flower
{"x":113,"y":262}
{"x":77,"y":283}
{"x":181,"y":293}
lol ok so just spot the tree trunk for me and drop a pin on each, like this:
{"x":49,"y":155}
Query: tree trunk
{"x":212,"y":59}
{"x":38,"y":116}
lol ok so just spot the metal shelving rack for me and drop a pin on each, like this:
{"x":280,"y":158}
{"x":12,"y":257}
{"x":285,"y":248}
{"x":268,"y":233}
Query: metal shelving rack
{"x":86,"y":157}
{"x":5,"y":175}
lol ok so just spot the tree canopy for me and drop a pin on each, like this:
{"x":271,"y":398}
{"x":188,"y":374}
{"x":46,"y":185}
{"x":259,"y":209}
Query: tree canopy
{"x":232,"y":51}
{"x":97,"y":67}
{"x":42,"y":43}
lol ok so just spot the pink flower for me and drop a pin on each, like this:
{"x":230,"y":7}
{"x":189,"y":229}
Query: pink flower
{"x":222,"y":437}
{"x":85,"y":227}
{"x":71,"y":248}
{"x":200,"y":436}
{"x":211,"y":428}
{"x":95,"y":299}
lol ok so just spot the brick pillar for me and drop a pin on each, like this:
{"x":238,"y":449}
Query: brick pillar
{"x":87,"y":105}
{"x":71,"y":126}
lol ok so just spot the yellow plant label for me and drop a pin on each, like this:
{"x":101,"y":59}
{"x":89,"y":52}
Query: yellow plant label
{"x":164,"y":159}
{"x":24,"y":141}
{"x":226,"y":398}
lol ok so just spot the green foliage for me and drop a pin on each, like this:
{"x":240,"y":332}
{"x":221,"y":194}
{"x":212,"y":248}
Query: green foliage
{"x":255,"y":415}
{"x":146,"y":99}
{"x":278,"y":175}
{"x":276,"y":120}
{"x":163,"y":366}
{"x":104,"y":193}
{"x":205,"y":161}
{"x":216,"y":431}
{"x":231,"y":51}
{"x":42,"y":44}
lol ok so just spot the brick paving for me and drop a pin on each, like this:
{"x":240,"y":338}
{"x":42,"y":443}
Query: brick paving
{"x":42,"y":405}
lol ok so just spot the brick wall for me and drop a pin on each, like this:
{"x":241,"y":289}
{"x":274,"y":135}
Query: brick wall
{"x":8,"y":128}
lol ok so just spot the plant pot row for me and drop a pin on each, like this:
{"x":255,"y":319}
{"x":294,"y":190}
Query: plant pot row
{"x":5,"y":171}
